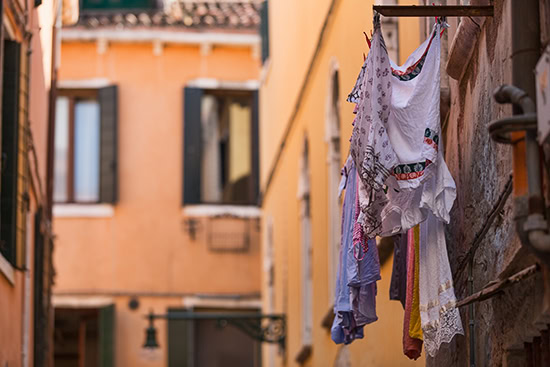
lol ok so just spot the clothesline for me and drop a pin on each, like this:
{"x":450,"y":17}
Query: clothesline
{"x":434,"y":11}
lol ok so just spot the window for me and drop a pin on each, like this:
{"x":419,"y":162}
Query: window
{"x":118,"y":4}
{"x":86,"y":146}
{"x":204,"y":343}
{"x":13,"y":197}
{"x":306,"y":249}
{"x":220,"y":147}
{"x":334,"y":176}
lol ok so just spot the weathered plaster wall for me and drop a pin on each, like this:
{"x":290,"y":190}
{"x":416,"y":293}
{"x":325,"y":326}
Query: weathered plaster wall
{"x":481,"y":169}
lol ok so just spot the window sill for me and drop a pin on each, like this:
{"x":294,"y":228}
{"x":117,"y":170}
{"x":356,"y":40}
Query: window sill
{"x":213,"y":210}
{"x":83,"y":210}
{"x":7,"y":270}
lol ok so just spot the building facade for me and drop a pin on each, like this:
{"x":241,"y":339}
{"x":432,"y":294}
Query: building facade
{"x":501,"y":285}
{"x":156,"y":182}
{"x":28,"y":45}
{"x":314,"y":54}
{"x":510,"y":328}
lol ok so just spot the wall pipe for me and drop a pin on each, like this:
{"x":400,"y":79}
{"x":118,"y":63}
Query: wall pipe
{"x":530,"y":222}
{"x":532,"y":230}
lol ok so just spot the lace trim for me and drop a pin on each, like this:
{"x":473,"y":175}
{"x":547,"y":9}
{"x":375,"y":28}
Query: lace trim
{"x":435,"y":302}
{"x":442,"y":330}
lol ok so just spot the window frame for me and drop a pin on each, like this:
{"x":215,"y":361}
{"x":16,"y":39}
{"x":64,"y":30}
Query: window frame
{"x":73,"y":95}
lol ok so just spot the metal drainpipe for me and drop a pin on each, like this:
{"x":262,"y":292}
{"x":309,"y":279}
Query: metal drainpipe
{"x":525,"y":54}
{"x":472,"y":315}
{"x":530,"y":223}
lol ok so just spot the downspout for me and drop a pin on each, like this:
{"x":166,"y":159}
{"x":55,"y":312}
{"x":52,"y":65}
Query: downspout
{"x":521,"y":129}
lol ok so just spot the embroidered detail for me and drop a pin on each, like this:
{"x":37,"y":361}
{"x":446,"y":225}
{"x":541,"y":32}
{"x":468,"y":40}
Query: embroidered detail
{"x":431,"y":138}
{"x":412,"y":71}
{"x":410,"y":171}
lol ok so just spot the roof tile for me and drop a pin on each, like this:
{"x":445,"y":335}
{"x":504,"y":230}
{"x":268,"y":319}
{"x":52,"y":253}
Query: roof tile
{"x":202,"y":14}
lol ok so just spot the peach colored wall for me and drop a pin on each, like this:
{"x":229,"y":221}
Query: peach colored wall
{"x":144,"y":247}
{"x":343,"y":45}
{"x":11,"y":318}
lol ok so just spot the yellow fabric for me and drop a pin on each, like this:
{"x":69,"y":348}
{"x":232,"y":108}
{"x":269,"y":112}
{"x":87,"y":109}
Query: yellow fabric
{"x":415,"y":329}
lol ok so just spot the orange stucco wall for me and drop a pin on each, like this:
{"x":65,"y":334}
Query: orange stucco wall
{"x":143,"y":248}
{"x":144,"y":245}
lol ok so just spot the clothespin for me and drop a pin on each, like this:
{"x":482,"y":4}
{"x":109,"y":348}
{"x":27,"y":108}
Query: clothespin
{"x":367,"y":38}
{"x":442,"y":21}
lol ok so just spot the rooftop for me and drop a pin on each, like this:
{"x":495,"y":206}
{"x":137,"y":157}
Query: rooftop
{"x":197,"y":15}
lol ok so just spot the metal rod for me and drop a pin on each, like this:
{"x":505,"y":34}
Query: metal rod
{"x":435,"y":10}
{"x":496,"y":287}
{"x":213,"y":316}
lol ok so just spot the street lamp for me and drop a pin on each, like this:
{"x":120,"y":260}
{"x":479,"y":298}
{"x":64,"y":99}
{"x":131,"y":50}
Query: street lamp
{"x":264,"y":328}
{"x":151,"y":334}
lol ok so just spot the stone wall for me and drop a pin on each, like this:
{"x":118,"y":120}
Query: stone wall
{"x":481,"y":169}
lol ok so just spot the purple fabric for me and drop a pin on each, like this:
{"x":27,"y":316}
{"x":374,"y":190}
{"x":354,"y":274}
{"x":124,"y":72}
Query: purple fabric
{"x":344,"y":328}
{"x":355,"y":303}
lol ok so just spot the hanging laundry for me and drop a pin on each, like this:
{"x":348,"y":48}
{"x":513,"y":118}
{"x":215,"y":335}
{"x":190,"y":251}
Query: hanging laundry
{"x":344,"y":328}
{"x":363,"y":272}
{"x":412,"y":339}
{"x":402,"y":181}
{"x":398,"y":283}
{"x":359,"y":269}
{"x":440,"y":317}
{"x":395,"y":139}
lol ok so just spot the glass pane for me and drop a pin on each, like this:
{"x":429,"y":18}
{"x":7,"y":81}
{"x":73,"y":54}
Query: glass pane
{"x":211,"y":167}
{"x":239,"y":142}
{"x":86,"y":147}
{"x":61,"y":149}
{"x":226,"y":123}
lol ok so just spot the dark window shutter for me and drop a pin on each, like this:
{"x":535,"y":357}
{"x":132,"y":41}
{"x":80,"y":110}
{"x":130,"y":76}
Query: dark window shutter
{"x":180,"y":341}
{"x":10,"y":139}
{"x":192,"y":145}
{"x":264,"y":30}
{"x":107,"y":336}
{"x":255,"y":146}
{"x":95,"y":5}
{"x":108,"y":166}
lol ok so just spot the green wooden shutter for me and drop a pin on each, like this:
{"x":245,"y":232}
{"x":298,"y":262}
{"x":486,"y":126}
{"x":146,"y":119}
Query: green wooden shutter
{"x":255,"y":147}
{"x":180,"y":341}
{"x":107,"y":336}
{"x":99,"y":5}
{"x":108,"y":167}
{"x":192,"y":145}
{"x":10,"y":139}
{"x":264,"y":30}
